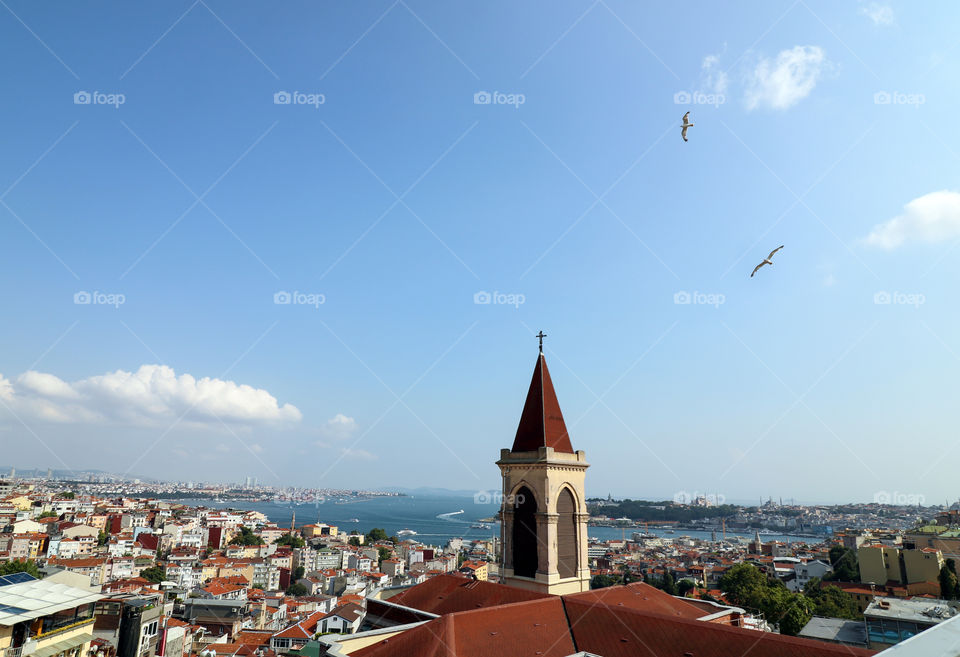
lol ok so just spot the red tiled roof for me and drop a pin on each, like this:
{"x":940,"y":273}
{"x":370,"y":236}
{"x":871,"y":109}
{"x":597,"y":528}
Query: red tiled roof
{"x":523,"y":628}
{"x":349,"y":611}
{"x":305,"y":629}
{"x":541,"y":423}
{"x":561,"y":626}
{"x":253,"y":637}
{"x":148,"y":541}
{"x":641,"y":597}
{"x":446,"y":594}
{"x":617,"y":632}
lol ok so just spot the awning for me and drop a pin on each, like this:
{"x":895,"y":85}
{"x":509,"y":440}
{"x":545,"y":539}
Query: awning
{"x":60,"y":646}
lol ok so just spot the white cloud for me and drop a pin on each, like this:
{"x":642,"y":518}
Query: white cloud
{"x":359,"y":454}
{"x":153,"y":395}
{"x":785,"y":81}
{"x":713,"y":79}
{"x":878,"y":13}
{"x":933,"y":217}
{"x":339,"y":427}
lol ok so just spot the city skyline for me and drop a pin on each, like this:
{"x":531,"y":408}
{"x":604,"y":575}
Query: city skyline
{"x":314,"y":245}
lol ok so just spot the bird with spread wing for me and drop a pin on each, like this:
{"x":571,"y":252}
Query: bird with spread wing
{"x":683,"y":126}
{"x":766,"y":261}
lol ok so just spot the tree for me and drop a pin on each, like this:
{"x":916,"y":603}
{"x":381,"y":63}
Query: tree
{"x":685,"y":586}
{"x":46,"y":514}
{"x":298,"y":573}
{"x":290,"y":540}
{"x":154,"y":574}
{"x":386,"y":553}
{"x":354,"y":541}
{"x":798,"y":612}
{"x":296,"y":589}
{"x":948,"y":583}
{"x":669,"y":583}
{"x":376,"y":534}
{"x":246,"y":537}
{"x":603,"y":581}
{"x":69,"y":495}
{"x":844,"y":563}
{"x":102,"y":538}
{"x":17,"y":566}
{"x":831,"y":601}
{"x":744,"y":585}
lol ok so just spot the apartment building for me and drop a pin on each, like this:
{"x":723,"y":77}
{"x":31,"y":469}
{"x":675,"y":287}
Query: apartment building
{"x":44,"y":618}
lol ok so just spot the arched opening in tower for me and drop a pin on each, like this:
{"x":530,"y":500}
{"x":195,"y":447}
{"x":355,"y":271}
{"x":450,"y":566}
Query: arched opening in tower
{"x":566,"y":534}
{"x":525,"y":544}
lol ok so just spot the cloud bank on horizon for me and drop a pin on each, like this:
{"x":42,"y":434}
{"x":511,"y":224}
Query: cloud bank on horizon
{"x":153,"y":395}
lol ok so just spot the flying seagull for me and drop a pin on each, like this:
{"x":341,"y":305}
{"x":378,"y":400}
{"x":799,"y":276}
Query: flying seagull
{"x":766,"y":261}
{"x":683,"y":127}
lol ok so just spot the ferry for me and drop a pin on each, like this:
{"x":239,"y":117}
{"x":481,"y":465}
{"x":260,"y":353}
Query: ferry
{"x":480,"y":525}
{"x":406,"y":532}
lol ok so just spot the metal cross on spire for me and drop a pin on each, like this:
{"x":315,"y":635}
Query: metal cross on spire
{"x":541,"y":335}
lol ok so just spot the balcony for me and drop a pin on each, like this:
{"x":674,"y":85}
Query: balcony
{"x":60,"y":629}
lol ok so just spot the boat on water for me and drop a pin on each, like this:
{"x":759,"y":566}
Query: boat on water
{"x":669,"y":531}
{"x":406,"y":532}
{"x":766,"y":532}
{"x":480,"y":525}
{"x":354,"y":520}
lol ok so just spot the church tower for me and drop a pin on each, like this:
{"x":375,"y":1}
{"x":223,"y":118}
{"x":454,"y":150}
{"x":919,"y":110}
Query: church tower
{"x":544,"y":512}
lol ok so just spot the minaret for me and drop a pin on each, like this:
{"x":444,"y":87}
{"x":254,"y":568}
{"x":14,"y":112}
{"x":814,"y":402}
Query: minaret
{"x":544,"y":511}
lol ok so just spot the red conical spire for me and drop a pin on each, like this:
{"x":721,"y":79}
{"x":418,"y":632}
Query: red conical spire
{"x":541,"y":424}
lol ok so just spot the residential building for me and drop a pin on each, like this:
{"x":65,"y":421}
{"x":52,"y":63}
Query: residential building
{"x":44,"y":618}
{"x":130,"y":623}
{"x":345,"y":619}
{"x":892,"y":620}
{"x":807,"y":571}
{"x":476,"y":569}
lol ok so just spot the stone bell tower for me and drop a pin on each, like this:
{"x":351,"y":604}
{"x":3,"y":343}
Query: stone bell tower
{"x":544,"y":512}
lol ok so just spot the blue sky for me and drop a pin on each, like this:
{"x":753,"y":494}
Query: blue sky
{"x":388,"y":194}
